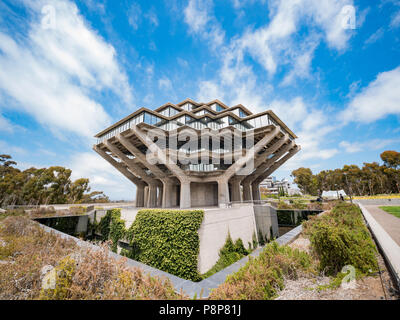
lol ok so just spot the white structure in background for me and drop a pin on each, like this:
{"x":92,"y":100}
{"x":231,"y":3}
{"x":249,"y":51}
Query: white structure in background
{"x":274,"y":185}
{"x":333,"y":194}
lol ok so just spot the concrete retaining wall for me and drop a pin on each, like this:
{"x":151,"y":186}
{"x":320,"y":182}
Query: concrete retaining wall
{"x":266,"y":221}
{"x":240,"y":222}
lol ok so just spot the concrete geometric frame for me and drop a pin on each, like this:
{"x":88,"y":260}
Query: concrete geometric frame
{"x":196,"y":154}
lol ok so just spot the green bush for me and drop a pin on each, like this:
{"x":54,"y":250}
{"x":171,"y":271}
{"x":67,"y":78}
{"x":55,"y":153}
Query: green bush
{"x":167,"y":240}
{"x":261,"y":277}
{"x":341,"y":238}
{"x":229,"y":253}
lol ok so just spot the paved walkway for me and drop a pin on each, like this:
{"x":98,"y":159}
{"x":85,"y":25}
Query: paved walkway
{"x":389,"y":222}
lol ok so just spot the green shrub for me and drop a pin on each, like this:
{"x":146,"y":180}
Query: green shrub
{"x":229,"y":253}
{"x":341,"y":238}
{"x":261,"y":277}
{"x":112,"y":227}
{"x":284,"y":205}
{"x":167,"y":240}
{"x":299,"y":204}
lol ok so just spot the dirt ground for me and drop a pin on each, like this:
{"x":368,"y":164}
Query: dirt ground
{"x":378,"y":287}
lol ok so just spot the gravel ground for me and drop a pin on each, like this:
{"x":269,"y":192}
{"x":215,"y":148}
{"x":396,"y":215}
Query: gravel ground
{"x":368,"y":288}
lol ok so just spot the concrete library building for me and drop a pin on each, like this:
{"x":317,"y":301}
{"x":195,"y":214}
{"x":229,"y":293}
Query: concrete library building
{"x":194,"y":154}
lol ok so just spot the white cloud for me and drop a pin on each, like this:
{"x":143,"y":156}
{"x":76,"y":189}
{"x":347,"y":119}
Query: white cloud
{"x":201,"y":22}
{"x":165,"y":84}
{"x":102,"y":176}
{"x":152,"y":17}
{"x":395,"y":22}
{"x":134,"y":15}
{"x":376,"y":101}
{"x":208,"y":91}
{"x":272,"y":46}
{"x":374,"y":144}
{"x":375,"y":36}
{"x":53,"y":73}
{"x":6,"y":125}
{"x":6,"y":148}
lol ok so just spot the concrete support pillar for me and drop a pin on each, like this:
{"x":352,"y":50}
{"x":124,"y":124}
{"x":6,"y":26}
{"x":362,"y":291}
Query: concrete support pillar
{"x":247,"y":194}
{"x":255,"y":188}
{"x":140,"y":196}
{"x":168,"y":193}
{"x":146,"y":197}
{"x":236,"y":195}
{"x":185,"y":201}
{"x":152,"y":201}
{"x":223,"y":193}
{"x":160,"y":196}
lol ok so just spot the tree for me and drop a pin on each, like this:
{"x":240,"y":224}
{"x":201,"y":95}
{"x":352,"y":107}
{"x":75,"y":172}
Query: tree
{"x":42,"y":186}
{"x":305,"y":180}
{"x":391,"y":159}
{"x":78,"y":188}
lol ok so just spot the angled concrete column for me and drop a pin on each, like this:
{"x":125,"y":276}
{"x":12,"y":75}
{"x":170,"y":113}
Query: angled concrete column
{"x":223,"y":193}
{"x":247,"y":195}
{"x":152,"y":200}
{"x":185,"y":201}
{"x":146,"y":197}
{"x":140,"y":196}
{"x":236,"y":195}
{"x":255,"y":189}
{"x":160,"y":196}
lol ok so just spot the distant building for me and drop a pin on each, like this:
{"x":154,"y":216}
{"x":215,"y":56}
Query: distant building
{"x":273,"y":186}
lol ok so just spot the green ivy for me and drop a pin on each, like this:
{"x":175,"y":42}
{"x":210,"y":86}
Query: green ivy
{"x":104,"y":225}
{"x":167,"y":240}
{"x":117,"y":229}
{"x":112,"y":227}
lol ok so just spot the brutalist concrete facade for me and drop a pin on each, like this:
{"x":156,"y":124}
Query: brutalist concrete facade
{"x":196,"y":154}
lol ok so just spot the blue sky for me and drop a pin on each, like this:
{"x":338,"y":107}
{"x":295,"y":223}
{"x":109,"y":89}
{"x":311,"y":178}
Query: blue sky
{"x":68,"y":69}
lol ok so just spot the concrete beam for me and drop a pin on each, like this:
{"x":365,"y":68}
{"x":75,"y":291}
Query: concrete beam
{"x":250,"y":154}
{"x":279,"y":163}
{"x":132,"y":165}
{"x":140,"y":156}
{"x":162,"y":157}
{"x":261,"y":169}
{"x":137,"y":181}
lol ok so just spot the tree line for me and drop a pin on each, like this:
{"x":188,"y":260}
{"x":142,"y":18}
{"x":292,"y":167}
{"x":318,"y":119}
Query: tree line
{"x":372,"y":179}
{"x":51,"y":185}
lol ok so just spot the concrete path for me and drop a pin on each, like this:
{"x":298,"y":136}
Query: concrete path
{"x":389,"y":222}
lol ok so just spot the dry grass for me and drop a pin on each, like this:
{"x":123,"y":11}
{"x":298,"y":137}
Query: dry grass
{"x":25,"y":248}
{"x":262,"y":277}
